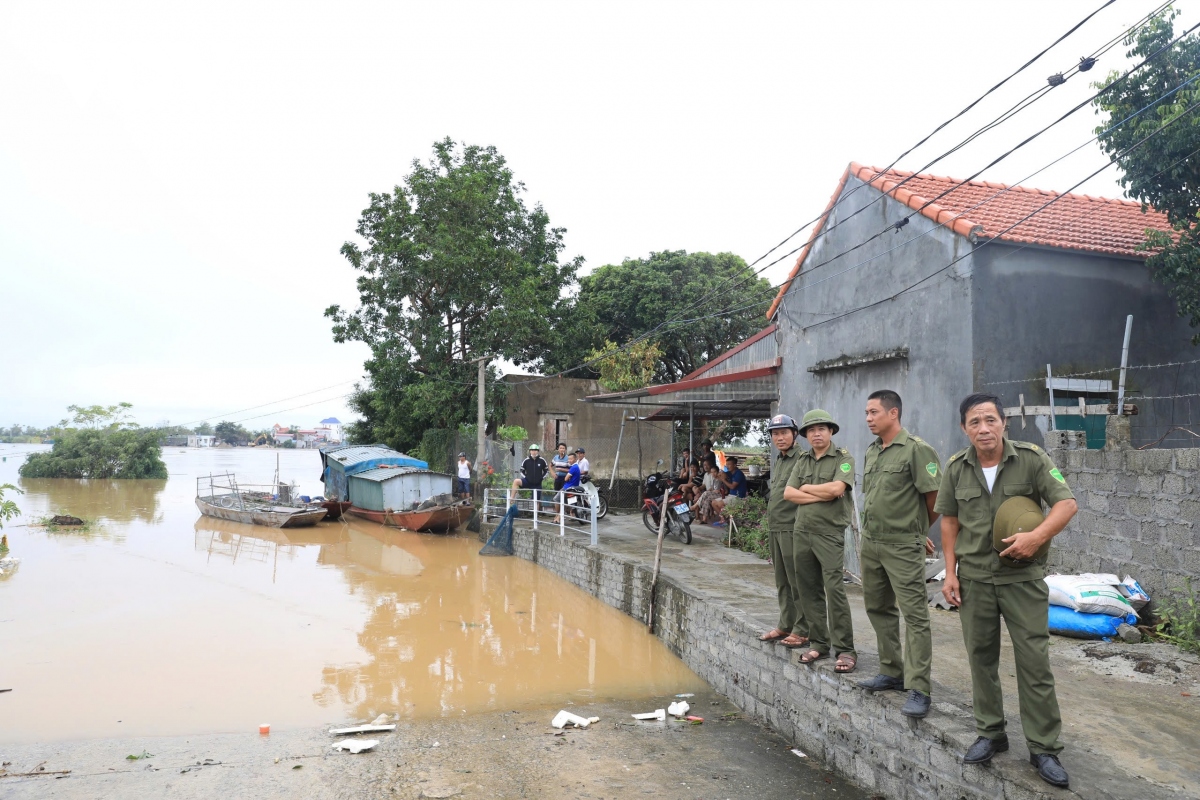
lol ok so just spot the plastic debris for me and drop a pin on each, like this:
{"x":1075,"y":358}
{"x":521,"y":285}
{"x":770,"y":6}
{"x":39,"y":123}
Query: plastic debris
{"x":564,"y":718}
{"x":695,"y":720}
{"x":659,"y":715}
{"x":382,"y":719}
{"x":798,"y":753}
{"x":1078,"y":625}
{"x":362,"y":729}
{"x":686,"y":694}
{"x":356,"y":745}
{"x":678,"y":709}
{"x":264,"y":728}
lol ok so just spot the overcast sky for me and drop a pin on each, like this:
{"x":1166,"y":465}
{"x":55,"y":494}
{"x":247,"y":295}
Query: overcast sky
{"x":176,"y":179}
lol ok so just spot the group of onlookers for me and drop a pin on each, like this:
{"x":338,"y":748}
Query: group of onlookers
{"x":711,"y":483}
{"x":994,"y":568}
{"x":568,"y":469}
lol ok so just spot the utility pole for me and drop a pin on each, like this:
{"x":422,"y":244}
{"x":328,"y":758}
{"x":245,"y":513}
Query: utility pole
{"x":480,"y":422}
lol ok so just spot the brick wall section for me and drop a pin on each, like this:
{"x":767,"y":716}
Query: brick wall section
{"x":1139,"y":510}
{"x":861,"y":736}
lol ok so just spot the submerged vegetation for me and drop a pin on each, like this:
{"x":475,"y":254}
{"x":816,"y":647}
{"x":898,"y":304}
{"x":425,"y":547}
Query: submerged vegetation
{"x":102,"y":443}
{"x":8,"y":509}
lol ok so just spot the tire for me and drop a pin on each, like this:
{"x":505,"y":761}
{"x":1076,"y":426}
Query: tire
{"x":680,"y":530}
{"x":648,"y":520}
{"x":687,"y":533}
{"x":602,"y":508}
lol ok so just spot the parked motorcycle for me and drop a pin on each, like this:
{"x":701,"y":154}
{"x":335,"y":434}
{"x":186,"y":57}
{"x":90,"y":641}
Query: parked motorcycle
{"x":679,"y":515}
{"x":579,"y":504}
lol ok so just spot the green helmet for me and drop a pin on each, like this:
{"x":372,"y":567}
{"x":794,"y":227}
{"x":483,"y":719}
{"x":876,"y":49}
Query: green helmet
{"x":818,"y":416}
{"x":1017,"y":514}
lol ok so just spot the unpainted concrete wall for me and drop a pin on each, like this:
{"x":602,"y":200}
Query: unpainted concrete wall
{"x":1036,"y":306}
{"x":1139,"y":511}
{"x":933,"y":322}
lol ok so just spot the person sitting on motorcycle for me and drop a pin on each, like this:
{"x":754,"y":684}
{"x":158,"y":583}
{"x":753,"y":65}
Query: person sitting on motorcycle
{"x":571,"y":484}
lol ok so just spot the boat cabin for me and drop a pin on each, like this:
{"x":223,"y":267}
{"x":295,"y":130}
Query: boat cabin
{"x":338,"y":462}
{"x":397,"y":488}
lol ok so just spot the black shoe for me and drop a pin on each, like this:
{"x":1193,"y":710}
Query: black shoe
{"x":882,"y":683}
{"x":982,"y":751}
{"x":917,"y":704}
{"x":1050,"y":769}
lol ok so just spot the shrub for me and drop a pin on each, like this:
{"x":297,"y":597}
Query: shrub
{"x":751,"y":536}
{"x":1180,"y":619}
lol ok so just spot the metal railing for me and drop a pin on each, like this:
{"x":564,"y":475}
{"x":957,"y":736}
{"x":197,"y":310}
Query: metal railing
{"x":545,"y":506}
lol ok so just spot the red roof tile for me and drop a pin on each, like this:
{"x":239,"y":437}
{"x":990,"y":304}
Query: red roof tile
{"x":985,"y":210}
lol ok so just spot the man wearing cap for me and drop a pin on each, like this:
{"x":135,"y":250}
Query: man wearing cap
{"x":581,"y":460}
{"x":792,"y":630}
{"x":995,"y":562}
{"x":900,"y":486}
{"x":821,"y":486}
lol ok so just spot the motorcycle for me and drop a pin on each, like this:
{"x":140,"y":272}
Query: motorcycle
{"x":679,"y":515}
{"x":580,"y":506}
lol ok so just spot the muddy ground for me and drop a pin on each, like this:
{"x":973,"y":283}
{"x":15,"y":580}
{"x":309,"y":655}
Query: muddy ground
{"x":495,"y":755}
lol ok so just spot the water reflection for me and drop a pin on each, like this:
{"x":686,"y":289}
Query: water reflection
{"x":98,"y":500}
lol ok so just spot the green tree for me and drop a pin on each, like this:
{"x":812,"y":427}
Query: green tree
{"x":631,"y":368}
{"x":231,"y":433}
{"x":619,"y":302}
{"x":1163,"y":171}
{"x":203,"y":429}
{"x":8,"y":509}
{"x":453,"y":266}
{"x":108,"y":446}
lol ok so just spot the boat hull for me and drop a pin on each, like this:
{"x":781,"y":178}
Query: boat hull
{"x":335,"y":508}
{"x":439,"y":519}
{"x":299,"y":518}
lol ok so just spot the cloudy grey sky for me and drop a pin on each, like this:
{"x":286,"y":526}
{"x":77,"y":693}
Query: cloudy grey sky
{"x":176,"y":178}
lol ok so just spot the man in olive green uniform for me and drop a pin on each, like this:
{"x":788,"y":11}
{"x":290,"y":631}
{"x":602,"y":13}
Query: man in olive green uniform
{"x":822,"y":484}
{"x":977,"y":482}
{"x":792,"y":630}
{"x":900,"y":483}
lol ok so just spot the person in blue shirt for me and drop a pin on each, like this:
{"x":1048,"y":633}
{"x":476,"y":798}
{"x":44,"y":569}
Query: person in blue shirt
{"x":573,"y":480}
{"x":734,"y":479}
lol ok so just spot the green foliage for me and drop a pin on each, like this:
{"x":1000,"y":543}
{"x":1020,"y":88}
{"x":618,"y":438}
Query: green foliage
{"x":511,"y":433}
{"x":436,"y":448}
{"x":96,"y":417}
{"x":631,"y":368}
{"x":1163,"y":171}
{"x":454,"y":267}
{"x":1180,"y":619}
{"x":619,"y":302}
{"x":203,"y":429}
{"x":142,"y":755}
{"x":751,"y":534}
{"x":231,"y":433}
{"x":8,"y":509}
{"x":104,"y":453}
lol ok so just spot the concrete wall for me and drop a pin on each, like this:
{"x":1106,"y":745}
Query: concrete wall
{"x":1033,"y":306}
{"x":859,"y":735}
{"x":933,"y":321}
{"x":1139,"y":511}
{"x":537,"y":406}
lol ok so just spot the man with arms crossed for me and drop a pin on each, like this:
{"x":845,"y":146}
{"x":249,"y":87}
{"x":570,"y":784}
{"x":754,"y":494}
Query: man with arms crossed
{"x":792,"y":630}
{"x":821,"y":485}
{"x":989,"y":580}
{"x":900,"y":487}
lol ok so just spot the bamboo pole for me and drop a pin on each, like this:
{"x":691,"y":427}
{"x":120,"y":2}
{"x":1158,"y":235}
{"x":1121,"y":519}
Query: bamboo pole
{"x":662,"y":529}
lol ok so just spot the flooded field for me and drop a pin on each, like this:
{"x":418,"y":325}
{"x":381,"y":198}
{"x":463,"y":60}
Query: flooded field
{"x":157,"y":621}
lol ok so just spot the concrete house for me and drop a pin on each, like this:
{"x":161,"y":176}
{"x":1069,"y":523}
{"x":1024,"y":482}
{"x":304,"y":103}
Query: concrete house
{"x":936,"y":290}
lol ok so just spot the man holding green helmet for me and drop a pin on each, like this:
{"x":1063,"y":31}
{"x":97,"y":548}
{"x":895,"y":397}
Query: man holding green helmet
{"x":995,"y":540}
{"x":821,"y":486}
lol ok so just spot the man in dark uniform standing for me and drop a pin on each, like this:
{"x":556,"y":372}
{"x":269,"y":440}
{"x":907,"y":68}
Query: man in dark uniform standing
{"x":900,"y":483}
{"x":792,"y":630}
{"x":988,"y":583}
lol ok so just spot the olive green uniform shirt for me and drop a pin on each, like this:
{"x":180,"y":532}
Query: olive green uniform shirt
{"x":781,"y":514}
{"x":831,"y":516}
{"x":896,"y":479}
{"x":1024,"y":469}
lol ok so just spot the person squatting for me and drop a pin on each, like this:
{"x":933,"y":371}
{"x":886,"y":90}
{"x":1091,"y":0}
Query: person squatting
{"x":993,"y":572}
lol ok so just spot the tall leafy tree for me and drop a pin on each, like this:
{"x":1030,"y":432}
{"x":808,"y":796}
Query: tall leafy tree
{"x":453,"y":266}
{"x":1163,"y":171}
{"x":107,"y":445}
{"x":714,"y":300}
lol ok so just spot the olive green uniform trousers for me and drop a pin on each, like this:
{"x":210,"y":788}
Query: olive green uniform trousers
{"x":893,"y":576}
{"x":791,"y":619}
{"x":820,"y":560}
{"x":1024,"y":606}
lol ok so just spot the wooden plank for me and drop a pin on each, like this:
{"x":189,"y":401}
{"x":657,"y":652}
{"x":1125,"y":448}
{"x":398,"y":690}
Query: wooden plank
{"x":1070,"y":411}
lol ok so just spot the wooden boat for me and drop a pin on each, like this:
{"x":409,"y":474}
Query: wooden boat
{"x":335,"y":508}
{"x":221,"y":496}
{"x":434,"y":519}
{"x":271,"y":516}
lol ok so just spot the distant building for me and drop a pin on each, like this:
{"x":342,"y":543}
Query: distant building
{"x":176,"y":440}
{"x":199,"y":440}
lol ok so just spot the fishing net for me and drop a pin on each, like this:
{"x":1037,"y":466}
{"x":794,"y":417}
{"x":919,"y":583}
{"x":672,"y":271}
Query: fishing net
{"x":500,"y":542}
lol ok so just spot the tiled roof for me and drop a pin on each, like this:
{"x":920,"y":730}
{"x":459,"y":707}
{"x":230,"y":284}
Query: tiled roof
{"x":982,"y":210}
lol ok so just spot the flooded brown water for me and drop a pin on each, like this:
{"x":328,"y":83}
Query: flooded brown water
{"x":157,"y":621}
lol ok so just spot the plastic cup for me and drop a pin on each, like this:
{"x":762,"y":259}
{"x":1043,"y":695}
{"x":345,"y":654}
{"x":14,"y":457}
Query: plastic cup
{"x":264,"y":728}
